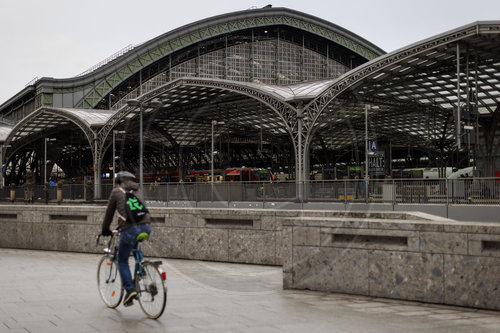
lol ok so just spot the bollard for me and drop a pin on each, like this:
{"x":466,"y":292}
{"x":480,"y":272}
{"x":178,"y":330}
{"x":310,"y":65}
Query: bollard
{"x":59,"y":192}
{"x":46,"y":192}
{"x":89,"y":191}
{"x":12,"y":192}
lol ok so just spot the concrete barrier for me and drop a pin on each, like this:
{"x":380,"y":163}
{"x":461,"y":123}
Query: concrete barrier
{"x":444,"y":262}
{"x":392,"y":254}
{"x":230,"y":235}
{"x":219,"y":234}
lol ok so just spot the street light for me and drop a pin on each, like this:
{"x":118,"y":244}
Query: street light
{"x":2,"y":148}
{"x":368,"y":107}
{"x":114,"y":154}
{"x":151,"y":104}
{"x":45,"y":157}
{"x":214,"y":122}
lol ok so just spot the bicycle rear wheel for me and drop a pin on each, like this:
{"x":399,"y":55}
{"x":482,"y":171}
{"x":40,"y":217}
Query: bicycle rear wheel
{"x":151,"y":290}
{"x":109,"y":282}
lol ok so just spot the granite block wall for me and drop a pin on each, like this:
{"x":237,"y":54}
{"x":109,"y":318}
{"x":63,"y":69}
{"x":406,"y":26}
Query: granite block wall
{"x":383,"y":254}
{"x":229,"y":235}
{"x":436,"y":261}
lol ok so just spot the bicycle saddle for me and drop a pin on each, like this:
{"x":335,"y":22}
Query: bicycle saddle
{"x":142,"y":237}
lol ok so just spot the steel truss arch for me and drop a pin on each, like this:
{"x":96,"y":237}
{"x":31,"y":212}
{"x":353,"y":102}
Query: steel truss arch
{"x":18,"y":128}
{"x":284,"y":110}
{"x":290,"y":115}
{"x":315,"y":108}
{"x":394,"y":64}
{"x":144,"y":55}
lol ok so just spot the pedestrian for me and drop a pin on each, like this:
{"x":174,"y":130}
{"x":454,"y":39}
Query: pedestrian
{"x":29,"y":187}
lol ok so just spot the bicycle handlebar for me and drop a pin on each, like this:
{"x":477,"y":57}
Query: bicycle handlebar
{"x":113,"y":233}
{"x":98,"y":238}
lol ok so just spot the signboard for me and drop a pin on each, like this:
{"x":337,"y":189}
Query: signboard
{"x":376,"y":164}
{"x":372,"y":146}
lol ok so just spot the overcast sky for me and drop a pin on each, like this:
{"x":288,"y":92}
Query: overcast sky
{"x":62,"y":38}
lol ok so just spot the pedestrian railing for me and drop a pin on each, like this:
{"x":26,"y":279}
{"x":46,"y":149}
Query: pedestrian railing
{"x":393,"y":191}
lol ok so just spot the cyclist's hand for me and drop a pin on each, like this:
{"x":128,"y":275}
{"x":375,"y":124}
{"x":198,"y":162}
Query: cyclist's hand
{"x":106,"y":232}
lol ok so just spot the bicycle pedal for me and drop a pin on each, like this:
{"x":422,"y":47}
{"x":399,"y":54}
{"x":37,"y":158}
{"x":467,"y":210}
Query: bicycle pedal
{"x":128,"y":304}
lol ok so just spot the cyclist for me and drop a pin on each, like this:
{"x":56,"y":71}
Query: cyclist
{"x":125,"y":181}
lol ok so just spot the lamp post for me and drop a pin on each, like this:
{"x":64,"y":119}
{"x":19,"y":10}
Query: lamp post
{"x":114,"y":151}
{"x":45,"y":157}
{"x":2,"y":167}
{"x":214,"y":122}
{"x":368,"y":107}
{"x":151,"y":104}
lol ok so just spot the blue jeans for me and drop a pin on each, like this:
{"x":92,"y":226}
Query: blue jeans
{"x":127,"y":244}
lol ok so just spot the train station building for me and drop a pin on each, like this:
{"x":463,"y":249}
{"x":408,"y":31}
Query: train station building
{"x":269,"y":88}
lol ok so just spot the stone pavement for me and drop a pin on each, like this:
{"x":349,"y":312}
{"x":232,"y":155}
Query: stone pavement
{"x":47,"y":292}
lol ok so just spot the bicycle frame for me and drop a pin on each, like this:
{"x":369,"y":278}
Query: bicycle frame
{"x":113,"y":256}
{"x":138,"y":256}
{"x":149,"y":279}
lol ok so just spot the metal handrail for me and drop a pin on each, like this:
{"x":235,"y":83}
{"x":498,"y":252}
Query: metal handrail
{"x":462,"y":191}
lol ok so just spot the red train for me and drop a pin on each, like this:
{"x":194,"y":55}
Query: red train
{"x":242,"y":174}
{"x":230,"y":174}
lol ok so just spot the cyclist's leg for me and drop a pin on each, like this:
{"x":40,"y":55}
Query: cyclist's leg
{"x":127,"y":244}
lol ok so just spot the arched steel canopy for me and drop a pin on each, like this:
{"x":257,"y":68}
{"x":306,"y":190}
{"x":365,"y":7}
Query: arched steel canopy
{"x":295,"y":93}
{"x":50,"y":120}
{"x":90,"y":89}
{"x":189,"y":105}
{"x":415,"y":86}
{"x":4,"y":132}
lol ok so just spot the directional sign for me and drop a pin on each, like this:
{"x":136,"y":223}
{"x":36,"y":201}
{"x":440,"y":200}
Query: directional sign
{"x":376,"y":164}
{"x":372,"y":145}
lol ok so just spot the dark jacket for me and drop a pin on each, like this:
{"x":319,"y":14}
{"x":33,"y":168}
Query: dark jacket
{"x":117,"y":202}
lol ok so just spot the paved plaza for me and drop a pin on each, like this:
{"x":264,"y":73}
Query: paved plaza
{"x":46,"y":292}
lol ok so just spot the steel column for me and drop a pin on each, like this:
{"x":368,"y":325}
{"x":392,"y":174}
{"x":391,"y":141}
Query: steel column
{"x":2,"y":185}
{"x":97,"y":170}
{"x":458,"y":123}
{"x":114,"y":166}
{"x":44,"y":160}
{"x":299,"y":162}
{"x":141,"y":150}
{"x":367,"y":107}
{"x":212,"y":157}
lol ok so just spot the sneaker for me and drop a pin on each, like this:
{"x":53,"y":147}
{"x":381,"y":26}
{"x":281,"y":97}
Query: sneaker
{"x":129,"y":298}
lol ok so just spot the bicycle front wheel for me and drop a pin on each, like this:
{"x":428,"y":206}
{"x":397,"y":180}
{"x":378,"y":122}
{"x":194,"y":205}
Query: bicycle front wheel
{"x":109,"y":282}
{"x":151,"y":290}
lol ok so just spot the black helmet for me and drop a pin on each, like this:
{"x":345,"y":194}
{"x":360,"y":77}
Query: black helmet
{"x":124,"y":176}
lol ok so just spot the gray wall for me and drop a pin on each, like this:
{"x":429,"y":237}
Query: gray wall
{"x":390,"y":254}
{"x":240,"y":236}
{"x":444,"y":262}
{"x":220,"y":234}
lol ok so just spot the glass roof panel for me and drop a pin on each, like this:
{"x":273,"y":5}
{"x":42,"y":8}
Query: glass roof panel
{"x":4,"y":132}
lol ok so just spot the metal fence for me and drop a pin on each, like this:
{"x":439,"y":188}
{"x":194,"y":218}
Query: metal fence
{"x":396,"y":191}
{"x":399,"y":191}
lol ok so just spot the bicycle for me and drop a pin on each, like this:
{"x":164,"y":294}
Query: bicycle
{"x":149,"y":278}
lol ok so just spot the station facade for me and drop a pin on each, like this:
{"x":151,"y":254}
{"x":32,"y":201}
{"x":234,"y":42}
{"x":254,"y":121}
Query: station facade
{"x":268,"y":88}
